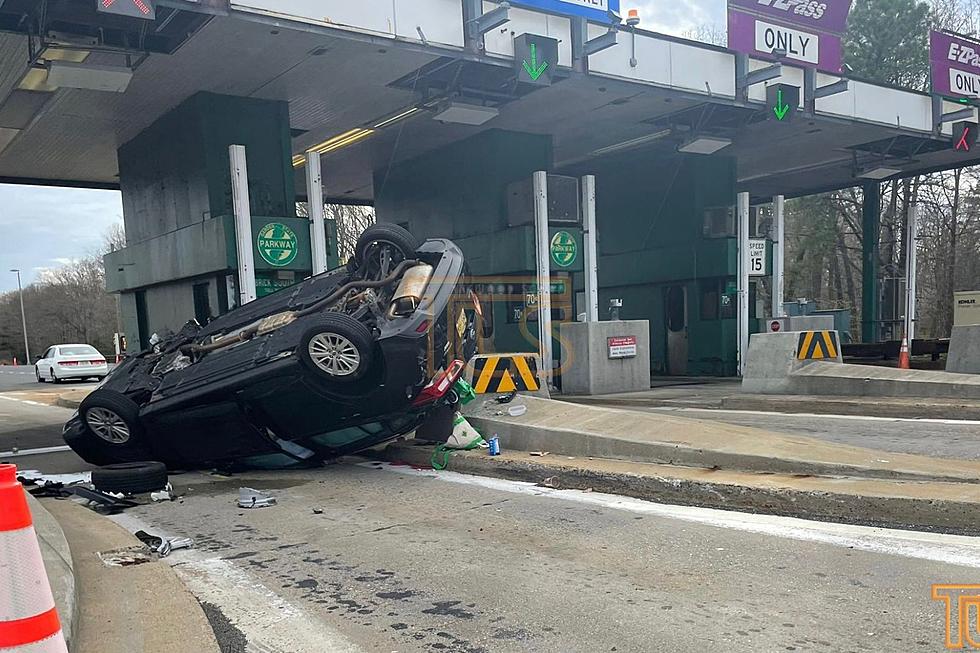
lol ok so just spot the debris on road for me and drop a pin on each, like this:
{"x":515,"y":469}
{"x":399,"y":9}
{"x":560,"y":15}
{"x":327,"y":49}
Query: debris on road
{"x":463,"y":438}
{"x":166,"y":494}
{"x":507,"y":398}
{"x":517,"y":411}
{"x":35,"y":477}
{"x":131,"y":478}
{"x":494,"y":445}
{"x":540,"y":454}
{"x":551,"y":482}
{"x":251,"y":498}
{"x":161,"y":546}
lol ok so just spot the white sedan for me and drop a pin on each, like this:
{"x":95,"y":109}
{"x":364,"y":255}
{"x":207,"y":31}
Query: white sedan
{"x":71,"y":362}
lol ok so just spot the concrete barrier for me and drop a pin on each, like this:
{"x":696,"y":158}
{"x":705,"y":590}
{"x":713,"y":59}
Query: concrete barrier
{"x":773,"y":358}
{"x":964,"y":350}
{"x":503,"y":373}
{"x":605,"y":357}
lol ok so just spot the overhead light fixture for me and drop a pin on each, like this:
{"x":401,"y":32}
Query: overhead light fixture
{"x":335,"y":143}
{"x":465,"y":114}
{"x":388,"y":122}
{"x":705,"y":145}
{"x":68,"y":74}
{"x":630,"y":144}
{"x":881,"y":172}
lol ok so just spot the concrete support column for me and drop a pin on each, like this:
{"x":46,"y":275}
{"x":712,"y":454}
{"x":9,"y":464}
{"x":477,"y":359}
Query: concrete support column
{"x":243,"y":224}
{"x":743,"y":281}
{"x":542,"y":243}
{"x":590,"y":236}
{"x":314,"y":199}
{"x":911,"y":269}
{"x":778,"y":255}
{"x":871,"y":229}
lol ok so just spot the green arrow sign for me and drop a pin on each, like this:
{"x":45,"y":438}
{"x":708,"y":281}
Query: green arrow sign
{"x":533,"y":69}
{"x":781,"y":108}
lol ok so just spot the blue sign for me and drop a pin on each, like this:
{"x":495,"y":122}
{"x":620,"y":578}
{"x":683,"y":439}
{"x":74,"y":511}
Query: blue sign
{"x":594,"y":10}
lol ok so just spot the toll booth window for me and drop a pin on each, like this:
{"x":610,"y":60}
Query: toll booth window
{"x":710,"y":299}
{"x":719,"y":222}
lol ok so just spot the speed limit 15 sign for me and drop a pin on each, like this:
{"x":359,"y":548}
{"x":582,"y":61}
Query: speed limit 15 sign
{"x":757,"y":258}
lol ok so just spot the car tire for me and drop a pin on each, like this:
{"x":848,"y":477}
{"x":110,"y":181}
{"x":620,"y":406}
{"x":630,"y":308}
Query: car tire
{"x":338,"y":348}
{"x":130,"y":478}
{"x":54,"y":377}
{"x":392,"y":235}
{"x":37,"y":373}
{"x":113,"y":427}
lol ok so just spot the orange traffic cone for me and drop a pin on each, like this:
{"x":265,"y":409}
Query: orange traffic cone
{"x":903,"y":355}
{"x":28,"y":618}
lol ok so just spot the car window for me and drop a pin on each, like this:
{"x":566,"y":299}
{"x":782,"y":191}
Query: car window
{"x":49,"y":353}
{"x":82,"y":350}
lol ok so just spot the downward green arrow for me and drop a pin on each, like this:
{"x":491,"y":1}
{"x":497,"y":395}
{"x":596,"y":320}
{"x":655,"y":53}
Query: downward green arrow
{"x":533,"y":69}
{"x":780,"y":109}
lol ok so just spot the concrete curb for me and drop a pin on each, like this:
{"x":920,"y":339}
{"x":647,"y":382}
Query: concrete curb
{"x":69,"y":400}
{"x":59,"y":566}
{"x":910,"y":506}
{"x":588,"y":431}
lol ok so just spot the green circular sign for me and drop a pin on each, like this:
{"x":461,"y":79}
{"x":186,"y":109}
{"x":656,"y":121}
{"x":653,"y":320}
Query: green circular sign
{"x":277,"y":244}
{"x":564,"y":249}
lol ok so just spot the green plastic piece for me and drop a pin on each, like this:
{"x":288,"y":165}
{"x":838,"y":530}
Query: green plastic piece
{"x":465,"y":391}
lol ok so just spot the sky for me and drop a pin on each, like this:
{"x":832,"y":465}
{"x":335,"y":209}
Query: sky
{"x":677,"y":16}
{"x":47,"y":227}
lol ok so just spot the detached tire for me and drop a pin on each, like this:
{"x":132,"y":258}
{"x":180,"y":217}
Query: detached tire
{"x":130,"y":478}
{"x":338,"y":348}
{"x":400,"y":243}
{"x":112,"y":424}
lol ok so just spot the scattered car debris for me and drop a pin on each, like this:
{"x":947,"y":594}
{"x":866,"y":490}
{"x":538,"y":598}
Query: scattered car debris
{"x":166,"y":494}
{"x":250,"y":498}
{"x":464,"y":438}
{"x":517,"y":411}
{"x":335,"y":364}
{"x":131,"y":478}
{"x":318,"y":511}
{"x":540,"y":454}
{"x":507,"y":398}
{"x":100,"y":500}
{"x":163,"y":547}
{"x":551,"y":482}
{"x":35,"y":477}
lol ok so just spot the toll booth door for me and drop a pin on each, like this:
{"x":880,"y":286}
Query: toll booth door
{"x":675,"y":310}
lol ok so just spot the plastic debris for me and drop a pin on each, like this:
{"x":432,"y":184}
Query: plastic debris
{"x":540,"y":454}
{"x":161,"y":546}
{"x":507,"y":398}
{"x":517,"y":411}
{"x":34,"y":477}
{"x":464,"y":438}
{"x":166,"y":494}
{"x":250,"y":498}
{"x":464,"y":391}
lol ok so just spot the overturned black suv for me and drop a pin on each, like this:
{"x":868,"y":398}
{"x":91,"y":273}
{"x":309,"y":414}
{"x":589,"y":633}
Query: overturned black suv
{"x":335,"y":364}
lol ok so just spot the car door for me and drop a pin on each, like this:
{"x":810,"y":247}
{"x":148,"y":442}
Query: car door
{"x":44,"y":365}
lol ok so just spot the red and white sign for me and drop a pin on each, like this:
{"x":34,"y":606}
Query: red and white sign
{"x":622,"y":347}
{"x":775,"y":326}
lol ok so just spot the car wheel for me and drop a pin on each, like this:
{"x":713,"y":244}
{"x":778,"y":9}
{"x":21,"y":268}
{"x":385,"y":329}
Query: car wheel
{"x":112,"y":422}
{"x":339,"y":348}
{"x":382,"y":247}
{"x":130,"y":478}
{"x":54,"y":377}
{"x":37,"y":373}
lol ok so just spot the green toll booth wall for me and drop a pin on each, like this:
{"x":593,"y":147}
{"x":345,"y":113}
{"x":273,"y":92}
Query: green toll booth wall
{"x":650,"y":214}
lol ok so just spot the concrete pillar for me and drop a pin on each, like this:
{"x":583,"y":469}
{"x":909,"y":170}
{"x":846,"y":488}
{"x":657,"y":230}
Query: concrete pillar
{"x":243,"y":224}
{"x":870,"y":295}
{"x":743,"y":281}
{"x":778,"y":255}
{"x":542,"y":242}
{"x":590,"y":236}
{"x":314,"y":199}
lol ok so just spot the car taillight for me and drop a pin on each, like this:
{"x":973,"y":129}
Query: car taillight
{"x":440,"y":384}
{"x":422,"y":328}
{"x":98,"y":362}
{"x":68,"y":363}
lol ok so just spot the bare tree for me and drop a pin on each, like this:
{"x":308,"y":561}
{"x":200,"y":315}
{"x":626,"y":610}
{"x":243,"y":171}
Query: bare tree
{"x":351,"y":221}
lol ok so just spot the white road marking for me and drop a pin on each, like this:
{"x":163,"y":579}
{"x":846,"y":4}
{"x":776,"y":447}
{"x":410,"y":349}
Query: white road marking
{"x":33,"y":452}
{"x":271,"y":624}
{"x":763,"y":413}
{"x":949,"y":549}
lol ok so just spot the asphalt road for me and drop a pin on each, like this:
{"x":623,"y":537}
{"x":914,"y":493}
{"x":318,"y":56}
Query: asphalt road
{"x":369,"y":558}
{"x":357,"y":557}
{"x":22,"y":378}
{"x":938,"y":438}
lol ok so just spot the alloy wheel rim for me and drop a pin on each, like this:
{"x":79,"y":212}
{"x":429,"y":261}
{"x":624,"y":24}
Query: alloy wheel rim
{"x":334,"y":354}
{"x":107,"y":425}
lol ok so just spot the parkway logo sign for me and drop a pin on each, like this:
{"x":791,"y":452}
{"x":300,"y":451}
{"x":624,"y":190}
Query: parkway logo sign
{"x":277,"y":244}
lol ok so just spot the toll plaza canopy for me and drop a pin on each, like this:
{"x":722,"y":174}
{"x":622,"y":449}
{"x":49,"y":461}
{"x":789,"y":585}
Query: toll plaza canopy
{"x":377,"y":82}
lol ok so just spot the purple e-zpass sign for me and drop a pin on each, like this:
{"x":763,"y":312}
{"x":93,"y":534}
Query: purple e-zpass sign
{"x":808,"y":31}
{"x":955,"y":63}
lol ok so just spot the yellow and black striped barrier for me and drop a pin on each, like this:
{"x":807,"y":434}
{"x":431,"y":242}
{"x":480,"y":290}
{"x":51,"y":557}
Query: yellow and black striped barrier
{"x":817,"y":345}
{"x":496,"y":373}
